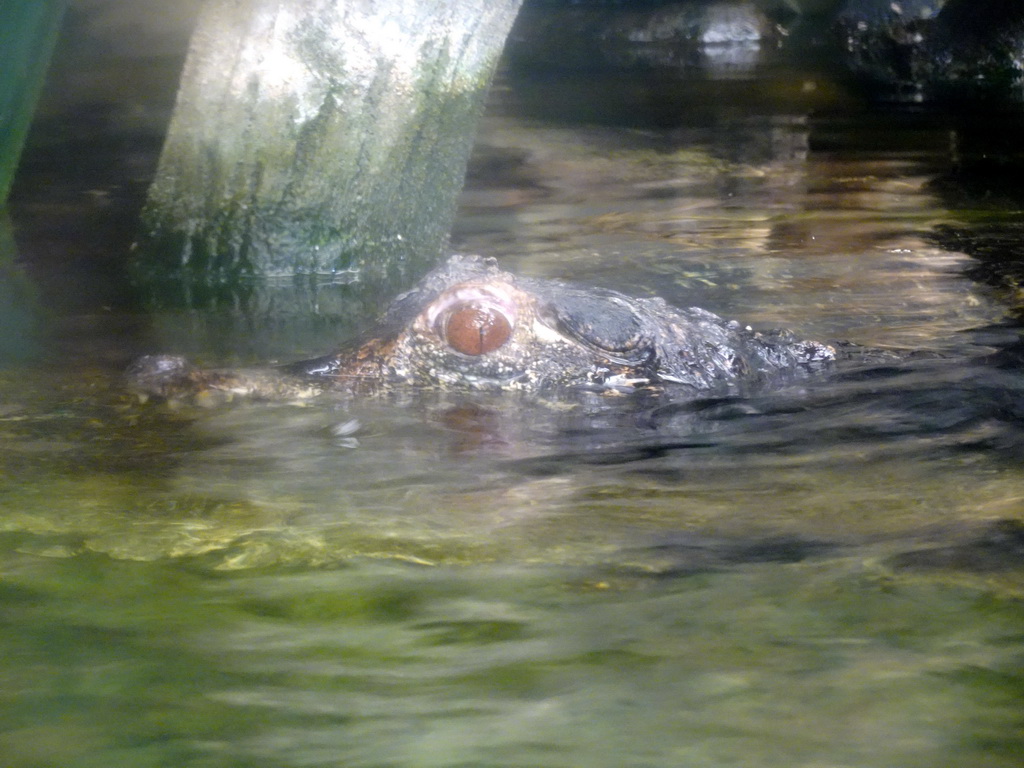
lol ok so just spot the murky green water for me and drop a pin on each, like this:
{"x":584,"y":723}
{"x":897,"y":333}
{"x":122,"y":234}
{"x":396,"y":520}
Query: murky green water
{"x":828,"y":575}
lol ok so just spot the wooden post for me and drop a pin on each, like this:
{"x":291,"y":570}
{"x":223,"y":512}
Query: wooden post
{"x":321,"y":137}
{"x":28,"y":29}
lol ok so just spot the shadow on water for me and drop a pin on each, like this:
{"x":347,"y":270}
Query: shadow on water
{"x":827,"y":573}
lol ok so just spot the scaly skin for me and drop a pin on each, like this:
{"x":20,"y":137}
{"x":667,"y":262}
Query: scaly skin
{"x":471,"y":325}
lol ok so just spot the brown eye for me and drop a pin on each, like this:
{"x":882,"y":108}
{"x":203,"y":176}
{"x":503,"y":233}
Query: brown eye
{"x":476,"y":330}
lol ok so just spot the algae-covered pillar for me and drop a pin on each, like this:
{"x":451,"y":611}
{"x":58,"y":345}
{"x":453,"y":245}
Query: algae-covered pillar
{"x":321,"y":137}
{"x":28,"y":30}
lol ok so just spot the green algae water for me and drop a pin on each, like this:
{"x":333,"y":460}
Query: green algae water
{"x":825,"y":575}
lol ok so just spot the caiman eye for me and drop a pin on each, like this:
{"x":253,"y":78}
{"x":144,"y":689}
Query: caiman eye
{"x":472,"y":318}
{"x":475,"y":329}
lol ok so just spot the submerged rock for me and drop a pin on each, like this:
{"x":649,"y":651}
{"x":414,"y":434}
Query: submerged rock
{"x":917,"y":50}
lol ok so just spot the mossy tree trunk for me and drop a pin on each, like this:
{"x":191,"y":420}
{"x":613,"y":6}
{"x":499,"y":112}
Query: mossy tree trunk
{"x":28,"y":30}
{"x":321,"y":137}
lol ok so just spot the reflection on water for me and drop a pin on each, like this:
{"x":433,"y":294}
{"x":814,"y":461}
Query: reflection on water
{"x":825,"y":575}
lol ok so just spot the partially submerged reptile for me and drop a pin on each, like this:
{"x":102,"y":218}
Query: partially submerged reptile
{"x":471,"y":325}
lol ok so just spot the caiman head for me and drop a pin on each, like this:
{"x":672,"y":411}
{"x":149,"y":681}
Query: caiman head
{"x":471,"y":325}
